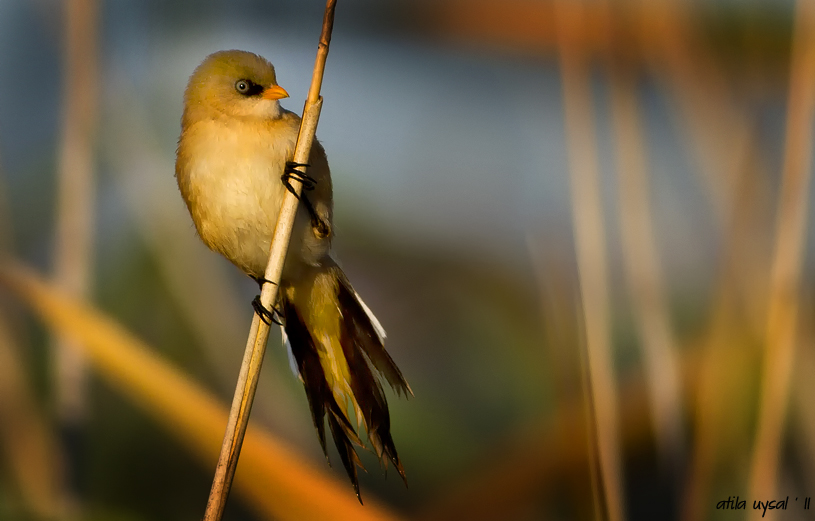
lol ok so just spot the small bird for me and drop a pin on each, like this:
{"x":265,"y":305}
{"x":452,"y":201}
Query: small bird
{"x":233,"y":165}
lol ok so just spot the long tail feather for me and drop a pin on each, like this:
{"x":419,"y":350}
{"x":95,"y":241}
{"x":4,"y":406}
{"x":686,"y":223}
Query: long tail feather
{"x":363,"y":333}
{"x":359,"y":341}
{"x":320,"y":397}
{"x":348,"y":455}
{"x":337,"y":344}
{"x":308,"y":364}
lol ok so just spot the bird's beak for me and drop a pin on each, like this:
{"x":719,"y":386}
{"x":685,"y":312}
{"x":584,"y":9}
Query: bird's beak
{"x":274,"y":92}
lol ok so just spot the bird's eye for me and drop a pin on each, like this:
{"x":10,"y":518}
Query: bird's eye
{"x":243,"y":86}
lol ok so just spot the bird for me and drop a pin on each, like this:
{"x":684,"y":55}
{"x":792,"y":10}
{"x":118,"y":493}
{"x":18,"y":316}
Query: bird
{"x":233,"y":165}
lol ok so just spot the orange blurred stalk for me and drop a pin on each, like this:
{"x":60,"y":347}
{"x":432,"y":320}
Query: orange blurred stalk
{"x":788,"y":255}
{"x":272,"y":477}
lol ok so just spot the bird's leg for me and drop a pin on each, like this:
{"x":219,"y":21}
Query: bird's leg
{"x":291,"y":172}
{"x":317,"y":223}
{"x":265,"y":315}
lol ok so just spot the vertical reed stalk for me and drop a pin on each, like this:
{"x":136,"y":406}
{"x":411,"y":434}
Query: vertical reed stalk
{"x":802,"y":393}
{"x":73,"y":256}
{"x":640,"y":254}
{"x":589,"y":232}
{"x":259,"y":331}
{"x":788,"y":256}
{"x":723,"y":142}
{"x":719,"y":132}
{"x":25,"y":438}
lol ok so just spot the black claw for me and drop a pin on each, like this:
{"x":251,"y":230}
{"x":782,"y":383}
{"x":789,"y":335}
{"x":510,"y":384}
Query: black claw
{"x":309,"y":183}
{"x":265,"y":315}
{"x":262,"y":280}
{"x":291,"y":172}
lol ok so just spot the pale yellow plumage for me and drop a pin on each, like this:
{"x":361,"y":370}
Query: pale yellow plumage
{"x":234,"y":145}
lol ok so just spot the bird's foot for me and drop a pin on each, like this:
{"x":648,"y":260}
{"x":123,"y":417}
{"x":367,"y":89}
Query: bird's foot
{"x":291,"y":172}
{"x":266,"y":315}
{"x":262,"y":280}
{"x":321,"y":229}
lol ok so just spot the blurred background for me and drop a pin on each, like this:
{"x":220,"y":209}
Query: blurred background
{"x":584,"y":226}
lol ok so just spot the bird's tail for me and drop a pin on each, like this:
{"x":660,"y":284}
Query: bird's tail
{"x":338,"y":349}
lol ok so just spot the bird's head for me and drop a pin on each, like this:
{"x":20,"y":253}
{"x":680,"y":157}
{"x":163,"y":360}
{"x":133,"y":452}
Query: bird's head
{"x":233,"y":84}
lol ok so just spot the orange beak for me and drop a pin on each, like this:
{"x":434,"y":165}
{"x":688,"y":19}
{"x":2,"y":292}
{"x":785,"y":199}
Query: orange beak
{"x":274,"y":92}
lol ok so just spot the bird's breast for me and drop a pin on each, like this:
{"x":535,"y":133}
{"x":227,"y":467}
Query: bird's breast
{"x":229,"y":175}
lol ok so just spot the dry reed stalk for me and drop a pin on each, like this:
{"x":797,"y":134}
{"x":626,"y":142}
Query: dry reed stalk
{"x":711,"y":120}
{"x":723,"y":409}
{"x":723,"y":139}
{"x":788,"y":257}
{"x":73,"y":255}
{"x":274,"y":479}
{"x":30,"y":449}
{"x":589,"y":235}
{"x":601,"y":508}
{"x":730,"y":172}
{"x":721,"y":414}
{"x":76,"y":203}
{"x":640,"y":253}
{"x":724,"y":144}
{"x":259,"y":331}
{"x":803,"y":414}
